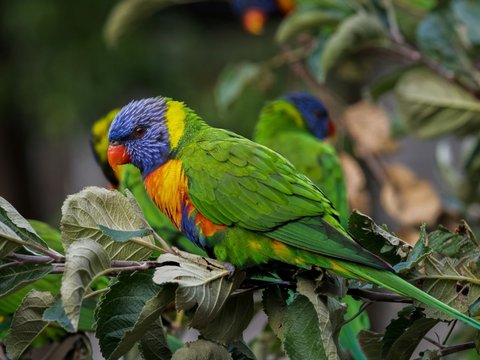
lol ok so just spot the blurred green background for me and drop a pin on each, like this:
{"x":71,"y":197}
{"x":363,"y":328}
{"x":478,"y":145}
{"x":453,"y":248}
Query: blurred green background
{"x":58,"y":76}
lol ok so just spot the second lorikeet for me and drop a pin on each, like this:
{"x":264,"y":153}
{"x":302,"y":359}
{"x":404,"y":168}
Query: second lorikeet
{"x":240,"y":201}
{"x":296,"y":126}
{"x":128,"y":177}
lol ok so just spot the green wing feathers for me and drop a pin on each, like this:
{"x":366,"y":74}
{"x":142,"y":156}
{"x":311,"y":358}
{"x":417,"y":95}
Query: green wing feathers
{"x":396,"y":284}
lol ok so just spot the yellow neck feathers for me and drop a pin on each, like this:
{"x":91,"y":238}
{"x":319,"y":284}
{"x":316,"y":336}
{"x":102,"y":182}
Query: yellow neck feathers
{"x":175,"y":120}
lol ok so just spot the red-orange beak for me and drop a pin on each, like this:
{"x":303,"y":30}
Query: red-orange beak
{"x":254,"y":20}
{"x":118,"y":155}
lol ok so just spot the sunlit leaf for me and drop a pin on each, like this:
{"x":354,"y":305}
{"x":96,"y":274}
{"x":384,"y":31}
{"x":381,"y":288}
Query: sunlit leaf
{"x":433,"y":106}
{"x":202,"y":350}
{"x":201,"y":281}
{"x":127,"y":310}
{"x":27,"y":322}
{"x":82,"y":213}
{"x":85,"y":260}
{"x":15,"y":277}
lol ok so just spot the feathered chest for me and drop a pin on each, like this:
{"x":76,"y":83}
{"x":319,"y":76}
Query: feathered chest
{"x":167,"y":187}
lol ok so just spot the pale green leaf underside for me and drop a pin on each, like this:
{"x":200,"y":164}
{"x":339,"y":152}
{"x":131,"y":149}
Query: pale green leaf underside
{"x":82,"y":213}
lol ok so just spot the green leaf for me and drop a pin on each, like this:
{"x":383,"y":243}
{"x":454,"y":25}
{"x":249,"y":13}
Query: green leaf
{"x":123,"y":236}
{"x":303,"y":336}
{"x":202,"y":350}
{"x":232,"y":319}
{"x":376,"y":239}
{"x":467,"y":12}
{"x":27,"y":322}
{"x":82,"y":213}
{"x":354,"y":33}
{"x":403,"y":334}
{"x":127,"y":310}
{"x":275,"y":305}
{"x":371,"y":343}
{"x":454,"y":245}
{"x":84,"y":261}
{"x":233,"y":81}
{"x":49,"y":234}
{"x":127,"y":13}
{"x":56,"y":313}
{"x":433,"y":106}
{"x":153,"y":344}
{"x":201,"y":281}
{"x":306,"y":20}
{"x":324,"y":318}
{"x":14,"y":228}
{"x":16,"y":277}
{"x":452,"y":281}
{"x":437,"y":38}
{"x":419,"y":252}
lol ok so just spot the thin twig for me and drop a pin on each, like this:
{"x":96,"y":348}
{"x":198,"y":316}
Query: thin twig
{"x":96,"y":292}
{"x":165,"y":245}
{"x":393,"y":27}
{"x":453,"y":349}
{"x":434,"y":342}
{"x":449,"y":331}
{"x":30,"y":258}
{"x":364,"y":307}
{"x":49,"y":252}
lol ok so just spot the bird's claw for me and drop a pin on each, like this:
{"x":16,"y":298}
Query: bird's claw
{"x":230,"y":268}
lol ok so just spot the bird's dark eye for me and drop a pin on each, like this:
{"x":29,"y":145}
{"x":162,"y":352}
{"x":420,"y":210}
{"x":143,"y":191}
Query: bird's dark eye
{"x":318,"y":114}
{"x":138,"y":131}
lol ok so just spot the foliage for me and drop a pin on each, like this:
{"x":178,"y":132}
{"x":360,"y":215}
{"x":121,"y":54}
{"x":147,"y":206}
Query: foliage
{"x":138,"y":304}
{"x":424,"y":56}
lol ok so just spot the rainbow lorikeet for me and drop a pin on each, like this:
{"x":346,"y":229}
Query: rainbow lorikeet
{"x":296,"y":126}
{"x":128,"y":177}
{"x":240,"y":201}
{"x":254,"y":13}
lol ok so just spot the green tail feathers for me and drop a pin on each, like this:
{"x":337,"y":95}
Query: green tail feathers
{"x":396,"y":284}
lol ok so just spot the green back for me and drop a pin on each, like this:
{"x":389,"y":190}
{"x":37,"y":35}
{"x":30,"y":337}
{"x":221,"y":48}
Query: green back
{"x":236,"y":182}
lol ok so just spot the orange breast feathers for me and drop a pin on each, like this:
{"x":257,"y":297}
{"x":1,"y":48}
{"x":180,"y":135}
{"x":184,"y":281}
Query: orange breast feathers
{"x":167,"y":186}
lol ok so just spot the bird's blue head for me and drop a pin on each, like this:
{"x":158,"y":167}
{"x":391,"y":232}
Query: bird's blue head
{"x":139,"y":135}
{"x":313,"y":112}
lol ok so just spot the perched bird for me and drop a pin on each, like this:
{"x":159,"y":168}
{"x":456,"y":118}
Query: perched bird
{"x":254,"y":13}
{"x":296,"y":126}
{"x":242,"y":202}
{"x":128,"y":177}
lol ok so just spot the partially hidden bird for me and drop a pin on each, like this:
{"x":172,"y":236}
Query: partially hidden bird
{"x":242,"y":202}
{"x":128,"y":177}
{"x":298,"y":126}
{"x":254,"y":13}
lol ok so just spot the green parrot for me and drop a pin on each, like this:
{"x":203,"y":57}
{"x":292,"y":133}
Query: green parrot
{"x":128,"y":177}
{"x":242,"y":202}
{"x":295,"y":126}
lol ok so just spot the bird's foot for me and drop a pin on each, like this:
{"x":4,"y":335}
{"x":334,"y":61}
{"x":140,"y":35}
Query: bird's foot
{"x":230,"y":268}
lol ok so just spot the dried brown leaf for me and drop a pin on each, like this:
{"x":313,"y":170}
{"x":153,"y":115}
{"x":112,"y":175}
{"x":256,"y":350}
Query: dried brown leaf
{"x":409,"y":199}
{"x":356,"y":184}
